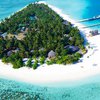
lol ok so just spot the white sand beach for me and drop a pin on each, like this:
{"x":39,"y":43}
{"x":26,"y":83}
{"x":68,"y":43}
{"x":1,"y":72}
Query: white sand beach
{"x":89,"y":65}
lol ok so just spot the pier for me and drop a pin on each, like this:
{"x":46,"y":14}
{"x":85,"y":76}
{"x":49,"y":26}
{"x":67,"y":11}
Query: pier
{"x":91,"y":25}
{"x":89,"y":19}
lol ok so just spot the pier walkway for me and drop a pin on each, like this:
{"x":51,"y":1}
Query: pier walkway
{"x":91,"y":25}
{"x":89,"y":19}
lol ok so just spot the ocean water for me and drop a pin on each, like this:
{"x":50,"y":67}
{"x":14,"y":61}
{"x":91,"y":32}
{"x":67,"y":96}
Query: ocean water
{"x":76,"y":9}
{"x":80,"y":9}
{"x":13,"y":90}
{"x":7,"y":7}
{"x":87,"y":89}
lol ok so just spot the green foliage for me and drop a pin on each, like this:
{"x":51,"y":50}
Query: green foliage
{"x":4,"y":59}
{"x":35,"y":65}
{"x":29,"y":62}
{"x":18,"y":63}
{"x":16,"y":60}
{"x":68,"y":59}
{"x":49,"y":62}
{"x":42,"y":60}
{"x":45,"y":31}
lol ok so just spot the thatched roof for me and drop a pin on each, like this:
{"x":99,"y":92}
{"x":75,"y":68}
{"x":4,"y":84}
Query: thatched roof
{"x":51,"y":54}
{"x":72,"y":48}
{"x":9,"y":53}
{"x":4,"y":35}
{"x":95,"y":32}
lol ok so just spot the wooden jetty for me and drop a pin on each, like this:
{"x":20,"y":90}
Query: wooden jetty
{"x":91,"y":25}
{"x":89,"y":19}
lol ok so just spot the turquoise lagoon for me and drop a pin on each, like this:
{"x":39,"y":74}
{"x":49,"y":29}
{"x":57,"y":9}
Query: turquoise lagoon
{"x":76,"y":9}
{"x":87,"y":89}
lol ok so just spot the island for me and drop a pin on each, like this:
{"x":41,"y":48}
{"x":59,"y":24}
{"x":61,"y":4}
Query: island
{"x":36,"y":35}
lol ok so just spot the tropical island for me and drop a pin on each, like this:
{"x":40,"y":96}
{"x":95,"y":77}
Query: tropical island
{"x":37,"y":35}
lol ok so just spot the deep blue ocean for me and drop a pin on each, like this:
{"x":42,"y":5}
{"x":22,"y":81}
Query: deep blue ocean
{"x":87,"y":89}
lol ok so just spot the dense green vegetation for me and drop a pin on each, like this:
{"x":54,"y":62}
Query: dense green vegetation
{"x":42,"y":30}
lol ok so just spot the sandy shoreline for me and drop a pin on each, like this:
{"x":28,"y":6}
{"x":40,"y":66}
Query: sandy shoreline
{"x":57,"y":73}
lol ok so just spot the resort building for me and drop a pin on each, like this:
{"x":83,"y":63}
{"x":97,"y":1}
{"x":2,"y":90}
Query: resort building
{"x":51,"y":54}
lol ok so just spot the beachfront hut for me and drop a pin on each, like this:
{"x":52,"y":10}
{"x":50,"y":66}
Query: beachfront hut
{"x":51,"y":54}
{"x":23,"y":29}
{"x":65,"y":22}
{"x":95,"y":32}
{"x":16,"y":50}
{"x":32,"y":51}
{"x":41,"y":49}
{"x":4,"y":35}
{"x":72,"y":48}
{"x":9,"y":53}
{"x":66,"y":35}
{"x":1,"y":33}
{"x":71,"y":38}
{"x":33,"y":17}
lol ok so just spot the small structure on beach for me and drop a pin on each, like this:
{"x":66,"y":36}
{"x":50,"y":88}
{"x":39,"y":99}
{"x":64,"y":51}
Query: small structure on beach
{"x":72,"y":48}
{"x":4,"y":34}
{"x":32,"y":51}
{"x":16,"y":50}
{"x":71,"y":38}
{"x":65,"y":22}
{"x":9,"y":53}
{"x":51,"y":54}
{"x":41,"y":49}
{"x":12,"y":51}
{"x":1,"y":33}
{"x":95,"y":32}
{"x":33,"y":17}
{"x":23,"y":29}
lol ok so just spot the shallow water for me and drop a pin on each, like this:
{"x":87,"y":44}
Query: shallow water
{"x":7,"y":7}
{"x":12,"y":90}
{"x":79,"y":9}
{"x":76,"y":9}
